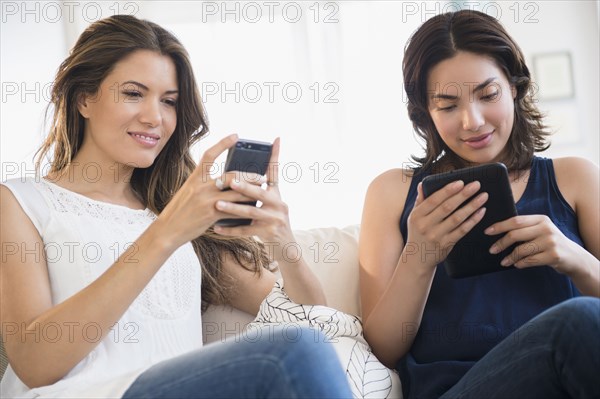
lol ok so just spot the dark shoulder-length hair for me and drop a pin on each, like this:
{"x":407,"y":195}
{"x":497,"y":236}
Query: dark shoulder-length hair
{"x":440,"y":38}
{"x":98,"y":49}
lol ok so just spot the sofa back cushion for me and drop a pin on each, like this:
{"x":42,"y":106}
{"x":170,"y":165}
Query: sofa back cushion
{"x":332,"y":254}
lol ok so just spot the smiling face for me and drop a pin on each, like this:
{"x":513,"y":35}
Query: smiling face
{"x":471,"y":104}
{"x":133,"y":114}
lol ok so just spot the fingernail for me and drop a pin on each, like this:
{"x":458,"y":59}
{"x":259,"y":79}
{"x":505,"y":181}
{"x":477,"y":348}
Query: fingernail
{"x":221,"y":205}
{"x":473,"y":185}
{"x":505,"y":262}
{"x":489,"y":230}
{"x":494,"y":249}
{"x":235,"y":183}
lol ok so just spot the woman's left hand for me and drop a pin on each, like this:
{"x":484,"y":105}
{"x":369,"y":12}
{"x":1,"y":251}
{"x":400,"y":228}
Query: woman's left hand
{"x":541,"y":243}
{"x":270,"y":221}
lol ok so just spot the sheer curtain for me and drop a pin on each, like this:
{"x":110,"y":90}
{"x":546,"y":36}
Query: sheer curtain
{"x":326,"y":77}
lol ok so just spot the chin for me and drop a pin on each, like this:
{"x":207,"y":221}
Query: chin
{"x":480,"y":158}
{"x":141,"y":163}
{"x":147,"y":164}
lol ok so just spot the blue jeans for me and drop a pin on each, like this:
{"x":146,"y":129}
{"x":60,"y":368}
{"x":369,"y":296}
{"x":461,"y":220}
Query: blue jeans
{"x":276,"y":364}
{"x":555,"y":355}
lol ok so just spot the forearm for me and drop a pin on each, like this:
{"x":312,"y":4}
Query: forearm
{"x":391,"y":333}
{"x":300,"y":283}
{"x":39,"y":361}
{"x":585,"y":274}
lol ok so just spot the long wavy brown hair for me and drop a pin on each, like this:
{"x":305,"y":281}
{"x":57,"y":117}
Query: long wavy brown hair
{"x":440,"y":38}
{"x":98,"y":49}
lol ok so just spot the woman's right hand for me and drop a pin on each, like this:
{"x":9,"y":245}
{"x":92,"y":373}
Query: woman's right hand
{"x":192,"y":209}
{"x":434,"y":226}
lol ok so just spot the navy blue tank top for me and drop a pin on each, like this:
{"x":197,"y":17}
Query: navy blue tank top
{"x":465,"y":318}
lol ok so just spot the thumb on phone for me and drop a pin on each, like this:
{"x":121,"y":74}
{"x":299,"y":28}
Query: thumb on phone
{"x":208,"y":158}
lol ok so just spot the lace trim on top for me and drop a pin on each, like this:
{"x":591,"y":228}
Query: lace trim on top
{"x":64,"y":200}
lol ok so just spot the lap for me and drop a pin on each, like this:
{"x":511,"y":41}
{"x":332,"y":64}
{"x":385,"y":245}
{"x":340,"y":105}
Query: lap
{"x":556,"y":354}
{"x":272,"y":363}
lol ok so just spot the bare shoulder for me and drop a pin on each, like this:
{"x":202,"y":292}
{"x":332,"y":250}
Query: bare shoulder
{"x":576,"y":178}
{"x":574,"y":165}
{"x":7,"y":199}
{"x":384,"y":204}
{"x":25,"y":287}
{"x":391,"y":185}
{"x":10,"y":207}
{"x":248,"y":289}
{"x":17,"y":230}
{"x":575,"y":171}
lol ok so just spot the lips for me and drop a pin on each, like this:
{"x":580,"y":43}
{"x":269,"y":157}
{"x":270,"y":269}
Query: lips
{"x":479,"y":141}
{"x":146,"y":139}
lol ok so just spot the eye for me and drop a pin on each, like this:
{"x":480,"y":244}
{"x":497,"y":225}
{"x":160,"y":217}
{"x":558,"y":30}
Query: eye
{"x":491,"y":96}
{"x":170,"y":102}
{"x":132,"y":94}
{"x":447,"y":109}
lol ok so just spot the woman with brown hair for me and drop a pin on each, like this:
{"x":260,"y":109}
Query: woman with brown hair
{"x":516,"y":333}
{"x":104,"y":258}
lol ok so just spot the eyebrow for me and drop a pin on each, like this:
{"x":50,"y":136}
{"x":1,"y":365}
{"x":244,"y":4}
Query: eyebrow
{"x":143,"y":86}
{"x":479,"y":87}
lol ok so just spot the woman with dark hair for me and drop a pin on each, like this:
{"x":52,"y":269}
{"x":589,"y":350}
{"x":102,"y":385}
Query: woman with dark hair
{"x":104,"y":259}
{"x":518,"y":333}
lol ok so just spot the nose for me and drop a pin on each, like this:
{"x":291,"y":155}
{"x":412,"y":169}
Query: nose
{"x":151,"y":113}
{"x":472,"y":118}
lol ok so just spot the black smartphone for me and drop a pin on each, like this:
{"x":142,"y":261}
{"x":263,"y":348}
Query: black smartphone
{"x":470,"y":255}
{"x":246,"y":156}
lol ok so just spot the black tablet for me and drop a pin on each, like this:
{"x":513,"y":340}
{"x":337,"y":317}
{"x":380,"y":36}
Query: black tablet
{"x":470,"y":256}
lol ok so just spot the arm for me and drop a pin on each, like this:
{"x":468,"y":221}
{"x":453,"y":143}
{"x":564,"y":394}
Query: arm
{"x":271,"y":224}
{"x":583,"y":190}
{"x":26,"y":292}
{"x":395,"y":278}
{"x":578,"y":181}
{"x":26,"y":298}
{"x":386,"y":283}
{"x":248,"y":289}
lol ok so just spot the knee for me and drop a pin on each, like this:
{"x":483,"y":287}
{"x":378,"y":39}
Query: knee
{"x":583,"y":313}
{"x":304,"y":344}
{"x":309,"y":363}
{"x":308,"y":349}
{"x":584,"y":308}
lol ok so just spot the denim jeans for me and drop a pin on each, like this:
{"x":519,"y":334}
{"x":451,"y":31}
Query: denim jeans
{"x":555,"y":355}
{"x":277,"y":364}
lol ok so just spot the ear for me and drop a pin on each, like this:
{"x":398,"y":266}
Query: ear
{"x":83,"y":102}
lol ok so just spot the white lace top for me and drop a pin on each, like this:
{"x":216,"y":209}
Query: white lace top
{"x":82,"y":238}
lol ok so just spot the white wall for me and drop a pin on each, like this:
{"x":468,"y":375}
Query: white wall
{"x":559,"y":26}
{"x":351,"y":51}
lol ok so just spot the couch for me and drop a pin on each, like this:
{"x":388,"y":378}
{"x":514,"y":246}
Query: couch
{"x":332,"y":254}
